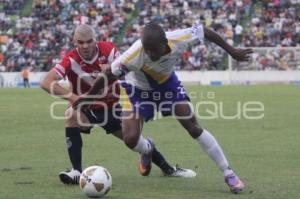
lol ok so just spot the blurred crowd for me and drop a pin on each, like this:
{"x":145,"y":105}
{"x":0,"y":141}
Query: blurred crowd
{"x":41,"y":39}
{"x":271,"y":59}
{"x":12,"y":6}
{"x":276,"y":23}
{"x":224,"y":16}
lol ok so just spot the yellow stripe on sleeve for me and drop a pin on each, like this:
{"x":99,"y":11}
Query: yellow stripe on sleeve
{"x":182,"y":37}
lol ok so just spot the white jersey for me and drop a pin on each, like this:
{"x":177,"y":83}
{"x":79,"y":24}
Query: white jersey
{"x":143,"y":71}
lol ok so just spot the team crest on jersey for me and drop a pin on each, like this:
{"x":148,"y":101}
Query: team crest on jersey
{"x":102,"y":58}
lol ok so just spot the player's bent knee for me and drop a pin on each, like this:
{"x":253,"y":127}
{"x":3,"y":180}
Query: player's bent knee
{"x":195,"y":131}
{"x":130,"y":140}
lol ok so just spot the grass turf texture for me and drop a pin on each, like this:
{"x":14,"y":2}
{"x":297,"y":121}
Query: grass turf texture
{"x":265,"y":153}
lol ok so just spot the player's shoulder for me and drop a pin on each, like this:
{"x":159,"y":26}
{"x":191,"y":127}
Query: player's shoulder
{"x":133,"y":55}
{"x":72,"y":54}
{"x":137,"y":44}
{"x":135,"y":48}
{"x":107,"y":45}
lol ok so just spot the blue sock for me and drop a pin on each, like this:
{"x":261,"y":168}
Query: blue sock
{"x":74,"y":144}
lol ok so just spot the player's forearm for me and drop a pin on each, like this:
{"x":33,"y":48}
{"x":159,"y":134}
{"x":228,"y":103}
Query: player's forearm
{"x":102,"y":82}
{"x":53,"y":88}
{"x":217,"y":39}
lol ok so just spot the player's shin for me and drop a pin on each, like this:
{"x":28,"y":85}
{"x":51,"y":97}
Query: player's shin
{"x":213,"y":149}
{"x":74,"y":144}
{"x":159,"y":160}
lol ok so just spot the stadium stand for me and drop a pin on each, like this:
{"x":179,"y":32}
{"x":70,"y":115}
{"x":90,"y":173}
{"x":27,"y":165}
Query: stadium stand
{"x":274,"y":24}
{"x":245,"y":23}
{"x":12,"y":6}
{"x":47,"y":32}
{"x":181,"y":14}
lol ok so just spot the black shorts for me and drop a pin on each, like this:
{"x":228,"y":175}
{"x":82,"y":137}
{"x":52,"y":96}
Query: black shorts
{"x":109,"y":119}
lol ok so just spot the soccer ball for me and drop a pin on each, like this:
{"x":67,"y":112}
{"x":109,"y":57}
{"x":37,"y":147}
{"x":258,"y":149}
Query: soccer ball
{"x":95,"y":181}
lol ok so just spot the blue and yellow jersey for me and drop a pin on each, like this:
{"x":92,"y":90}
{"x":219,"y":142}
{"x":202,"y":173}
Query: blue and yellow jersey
{"x":146,"y":74}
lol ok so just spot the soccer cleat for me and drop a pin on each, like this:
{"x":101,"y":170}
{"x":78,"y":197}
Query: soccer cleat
{"x":181,"y":173}
{"x":70,"y":177}
{"x":234,"y":183}
{"x":145,"y":163}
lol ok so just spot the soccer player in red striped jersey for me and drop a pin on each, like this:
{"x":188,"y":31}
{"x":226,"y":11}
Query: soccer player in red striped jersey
{"x":81,"y":66}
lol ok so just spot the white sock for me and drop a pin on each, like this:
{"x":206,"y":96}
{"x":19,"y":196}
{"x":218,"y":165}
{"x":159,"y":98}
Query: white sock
{"x":213,"y":149}
{"x":143,"y":146}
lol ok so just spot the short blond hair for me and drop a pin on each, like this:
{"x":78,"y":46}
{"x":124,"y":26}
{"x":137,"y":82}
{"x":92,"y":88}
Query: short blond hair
{"x":84,"y":30}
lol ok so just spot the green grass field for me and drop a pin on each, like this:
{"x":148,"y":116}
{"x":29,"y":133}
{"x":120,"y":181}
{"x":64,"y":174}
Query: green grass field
{"x":265,"y":152}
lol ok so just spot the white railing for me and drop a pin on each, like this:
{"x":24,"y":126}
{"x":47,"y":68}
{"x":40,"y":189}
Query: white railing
{"x":268,"y":65}
{"x":13,"y":79}
{"x":269,"y":58}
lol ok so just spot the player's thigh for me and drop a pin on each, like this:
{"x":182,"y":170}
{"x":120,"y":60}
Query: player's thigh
{"x":82,"y":119}
{"x":112,"y":121}
{"x":84,"y":122}
{"x":185,"y":115}
{"x":132,"y":122}
{"x":109,"y":119}
{"x":75,"y":118}
{"x":183,"y":109}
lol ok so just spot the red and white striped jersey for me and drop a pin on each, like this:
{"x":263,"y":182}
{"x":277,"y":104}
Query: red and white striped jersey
{"x":82,"y":73}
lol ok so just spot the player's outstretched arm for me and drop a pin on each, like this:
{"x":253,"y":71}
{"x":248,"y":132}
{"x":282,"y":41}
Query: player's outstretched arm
{"x":236,"y":53}
{"x":51,"y":85}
